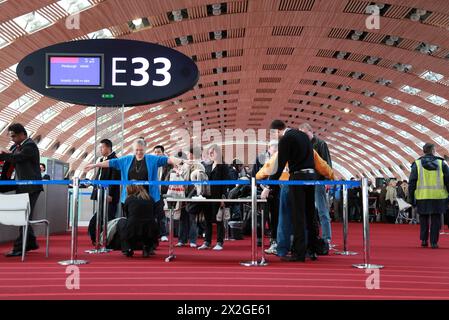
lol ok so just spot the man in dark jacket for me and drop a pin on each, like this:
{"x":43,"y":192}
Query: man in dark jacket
{"x":428,"y":190}
{"x":23,"y":159}
{"x":321,"y":203}
{"x":114,"y":190}
{"x":296,"y":149}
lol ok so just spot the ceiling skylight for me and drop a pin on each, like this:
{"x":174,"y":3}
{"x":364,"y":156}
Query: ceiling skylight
{"x":439,"y":121}
{"x":431,"y":76}
{"x":23,"y":103}
{"x":398,"y":118}
{"x":101,"y":34}
{"x":437,"y":100}
{"x":45,"y":143}
{"x":47,"y":115}
{"x":377,"y":109}
{"x":410,"y":90}
{"x":32,"y":22}
{"x":441,"y":141}
{"x":74,"y":6}
{"x":420,"y":128}
{"x":416,"y":110}
{"x":392,"y":101}
{"x":384,"y":124}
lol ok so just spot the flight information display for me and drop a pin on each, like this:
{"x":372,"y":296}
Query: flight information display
{"x":74,"y":71}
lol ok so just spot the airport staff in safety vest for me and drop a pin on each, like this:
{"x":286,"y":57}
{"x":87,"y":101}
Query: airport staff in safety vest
{"x":428,"y":190}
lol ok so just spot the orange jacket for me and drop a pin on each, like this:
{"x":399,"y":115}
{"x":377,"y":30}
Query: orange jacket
{"x":321,"y":167}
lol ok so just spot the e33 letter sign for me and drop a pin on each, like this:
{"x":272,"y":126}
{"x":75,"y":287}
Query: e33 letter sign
{"x":108,"y":72}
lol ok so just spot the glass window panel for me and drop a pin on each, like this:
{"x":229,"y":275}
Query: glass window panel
{"x":410,"y":90}
{"x":392,"y":101}
{"x":436,"y":100}
{"x":32,"y":22}
{"x":416,"y":110}
{"x":431,"y":76}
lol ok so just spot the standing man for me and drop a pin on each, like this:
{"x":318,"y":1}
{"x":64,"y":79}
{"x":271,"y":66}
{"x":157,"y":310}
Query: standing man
{"x":428,"y":190}
{"x":321,"y":202}
{"x":45,"y":176}
{"x":296,"y":149}
{"x":24,"y":157}
{"x":162,"y":174}
{"x":114,"y":190}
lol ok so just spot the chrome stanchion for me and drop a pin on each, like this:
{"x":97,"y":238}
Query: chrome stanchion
{"x":253,"y":261}
{"x":366,"y":237}
{"x":105,"y":208}
{"x":74,"y":238}
{"x":171,"y":250}
{"x":345,"y":251}
{"x":442,"y":226}
{"x":97,"y":206}
{"x":263,"y":261}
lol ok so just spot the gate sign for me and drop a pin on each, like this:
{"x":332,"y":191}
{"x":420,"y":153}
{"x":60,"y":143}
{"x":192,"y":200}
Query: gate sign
{"x":108,"y":72}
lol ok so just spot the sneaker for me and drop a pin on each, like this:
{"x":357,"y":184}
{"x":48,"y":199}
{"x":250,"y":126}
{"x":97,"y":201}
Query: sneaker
{"x":272,"y":248}
{"x":164,"y":239}
{"x":193,"y":245}
{"x":179,"y":244}
{"x":204,"y":246}
{"x":218,"y":247}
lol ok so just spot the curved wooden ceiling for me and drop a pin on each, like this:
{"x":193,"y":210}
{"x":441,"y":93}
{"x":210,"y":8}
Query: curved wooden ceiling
{"x":374,"y":95}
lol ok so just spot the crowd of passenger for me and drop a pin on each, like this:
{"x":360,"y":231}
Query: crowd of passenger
{"x":298,"y":217}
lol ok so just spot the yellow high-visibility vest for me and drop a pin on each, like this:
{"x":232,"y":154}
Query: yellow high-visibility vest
{"x":430,"y":184}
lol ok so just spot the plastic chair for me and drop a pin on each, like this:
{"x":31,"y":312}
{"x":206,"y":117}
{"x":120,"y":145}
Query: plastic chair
{"x":403,"y":214}
{"x":15,"y":211}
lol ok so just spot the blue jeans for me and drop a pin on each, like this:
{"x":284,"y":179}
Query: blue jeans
{"x":323,"y":211}
{"x":187,"y":227}
{"x":284,"y":231}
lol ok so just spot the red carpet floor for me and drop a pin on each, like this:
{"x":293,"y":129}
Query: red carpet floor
{"x":410,"y":272}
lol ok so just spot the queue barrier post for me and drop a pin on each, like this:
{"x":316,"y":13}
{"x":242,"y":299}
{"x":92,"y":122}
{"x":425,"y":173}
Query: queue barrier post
{"x":171,"y":254}
{"x":345,"y":251}
{"x":97,"y":207}
{"x":442,"y":226}
{"x":366,"y":237}
{"x":253,"y":262}
{"x":74,"y":238}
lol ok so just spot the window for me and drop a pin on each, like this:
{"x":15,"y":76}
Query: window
{"x":66,"y":124}
{"x":377,"y":109}
{"x":346,"y":129}
{"x":398,"y":118}
{"x":439,"y":121}
{"x":32,"y":22}
{"x":161,"y":116}
{"x":156,"y":108}
{"x":392,"y":101}
{"x":142,"y":123}
{"x":101,"y":34}
{"x":384,"y":157}
{"x":74,"y":6}
{"x":365,"y":117}
{"x":441,"y":141}
{"x":420,"y":128}
{"x":77,"y":154}
{"x":45,"y":143}
{"x":355,"y":124}
{"x":149,"y":129}
{"x":88,"y":111}
{"x":436,"y":100}
{"x":404,"y":134}
{"x":81,"y":132}
{"x":369,"y":148}
{"x":416,"y":110}
{"x":62,"y":148}
{"x":47,"y":115}
{"x":3,"y":125}
{"x":380,"y":145}
{"x":410,"y":90}
{"x":391,"y":140}
{"x":395,"y":154}
{"x":373,"y":131}
{"x":409,"y":151}
{"x":363,"y":136}
{"x":384,"y":124}
{"x":23,"y":103}
{"x":431,"y":76}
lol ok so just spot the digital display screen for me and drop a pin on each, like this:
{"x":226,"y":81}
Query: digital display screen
{"x":74,"y":71}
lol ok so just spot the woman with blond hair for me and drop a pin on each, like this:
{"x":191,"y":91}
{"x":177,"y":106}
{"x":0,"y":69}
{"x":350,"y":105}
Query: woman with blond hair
{"x":139,"y":229}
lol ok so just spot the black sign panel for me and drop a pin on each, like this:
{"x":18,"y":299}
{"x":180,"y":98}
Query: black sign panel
{"x":108,"y":72}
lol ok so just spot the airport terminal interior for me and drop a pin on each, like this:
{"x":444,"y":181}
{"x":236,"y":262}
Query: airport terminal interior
{"x":352,"y":92}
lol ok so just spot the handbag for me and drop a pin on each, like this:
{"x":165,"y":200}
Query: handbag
{"x":223,"y":214}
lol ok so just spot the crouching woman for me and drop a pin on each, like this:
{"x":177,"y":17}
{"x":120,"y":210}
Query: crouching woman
{"x":139,"y":229}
